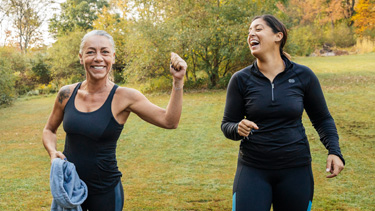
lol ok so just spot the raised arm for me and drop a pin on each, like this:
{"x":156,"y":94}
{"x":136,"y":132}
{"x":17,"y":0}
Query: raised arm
{"x":165,"y":118}
{"x":53,"y":123}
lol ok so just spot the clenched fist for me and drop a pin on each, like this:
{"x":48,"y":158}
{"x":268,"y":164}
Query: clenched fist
{"x":177,"y":67}
{"x":245,"y":127}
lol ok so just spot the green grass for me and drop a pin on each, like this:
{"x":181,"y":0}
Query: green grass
{"x":192,"y":168}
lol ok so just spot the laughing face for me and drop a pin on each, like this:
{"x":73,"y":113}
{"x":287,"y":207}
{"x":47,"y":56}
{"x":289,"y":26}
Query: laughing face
{"x":262,"y":39}
{"x":97,"y":57}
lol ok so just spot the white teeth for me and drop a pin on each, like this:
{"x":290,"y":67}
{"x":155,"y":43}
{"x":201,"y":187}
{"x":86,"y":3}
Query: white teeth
{"x":98,"y":67}
{"x":254,"y":42}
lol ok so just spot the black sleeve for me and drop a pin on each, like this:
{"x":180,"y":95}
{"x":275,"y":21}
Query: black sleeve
{"x":234,"y":110}
{"x":320,"y":117}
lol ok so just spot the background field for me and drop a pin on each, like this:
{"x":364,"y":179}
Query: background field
{"x":192,"y":168}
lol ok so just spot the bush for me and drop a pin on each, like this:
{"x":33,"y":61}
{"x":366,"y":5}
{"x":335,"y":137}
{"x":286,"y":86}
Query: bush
{"x":200,"y":83}
{"x":161,"y":83}
{"x":7,"y":91}
{"x":40,"y":69}
{"x":341,"y":35}
{"x":47,"y":89}
{"x":223,"y":81}
{"x":7,"y":79}
{"x":303,"y":40}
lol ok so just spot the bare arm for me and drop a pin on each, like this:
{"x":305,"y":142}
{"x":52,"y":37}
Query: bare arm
{"x":165,"y":118}
{"x":53,"y":123}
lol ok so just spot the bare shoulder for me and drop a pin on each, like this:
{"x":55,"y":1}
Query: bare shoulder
{"x":129,"y":93}
{"x":65,"y":92}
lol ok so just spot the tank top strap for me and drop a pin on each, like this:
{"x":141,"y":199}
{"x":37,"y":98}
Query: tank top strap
{"x":71,"y":100}
{"x":76,"y":90}
{"x":108,"y":103}
{"x":112,"y":93}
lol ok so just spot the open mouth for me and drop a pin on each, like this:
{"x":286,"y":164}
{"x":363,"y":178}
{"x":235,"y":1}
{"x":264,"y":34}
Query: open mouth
{"x":254,"y":43}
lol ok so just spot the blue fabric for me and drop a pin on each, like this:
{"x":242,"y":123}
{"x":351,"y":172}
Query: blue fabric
{"x":234,"y":202}
{"x":68,"y":191}
{"x":309,"y":208}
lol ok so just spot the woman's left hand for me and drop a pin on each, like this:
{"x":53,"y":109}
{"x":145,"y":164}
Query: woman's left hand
{"x":177,"y":67}
{"x":334,"y":165}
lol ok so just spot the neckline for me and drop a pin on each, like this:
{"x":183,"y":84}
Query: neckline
{"x":90,"y":112}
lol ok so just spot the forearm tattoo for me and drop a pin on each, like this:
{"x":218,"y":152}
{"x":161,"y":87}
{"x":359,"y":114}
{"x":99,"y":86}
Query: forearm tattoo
{"x":63,"y":94}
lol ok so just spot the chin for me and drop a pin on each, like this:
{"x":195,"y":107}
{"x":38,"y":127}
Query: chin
{"x":255,"y":53}
{"x":98,"y":76}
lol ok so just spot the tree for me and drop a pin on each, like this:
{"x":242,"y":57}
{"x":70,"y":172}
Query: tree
{"x":76,"y":15}
{"x":315,"y":23}
{"x":364,"y":19}
{"x":64,"y":61}
{"x":210,"y":35}
{"x":41,"y":71}
{"x":115,"y":24}
{"x":27,"y":17}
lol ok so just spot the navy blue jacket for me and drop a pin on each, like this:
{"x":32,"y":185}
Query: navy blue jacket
{"x":277,"y":108}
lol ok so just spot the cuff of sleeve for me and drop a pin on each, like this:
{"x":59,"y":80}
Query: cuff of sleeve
{"x":236,"y":131}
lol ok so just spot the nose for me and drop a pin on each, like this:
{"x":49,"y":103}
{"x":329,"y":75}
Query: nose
{"x":251,"y":33}
{"x":98,"y":57}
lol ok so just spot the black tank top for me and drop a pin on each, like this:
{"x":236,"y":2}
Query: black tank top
{"x":91,"y":140}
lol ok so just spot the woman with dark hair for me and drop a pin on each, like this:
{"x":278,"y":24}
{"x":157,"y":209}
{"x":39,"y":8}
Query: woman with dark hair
{"x":264,"y":107}
{"x":94,"y":112}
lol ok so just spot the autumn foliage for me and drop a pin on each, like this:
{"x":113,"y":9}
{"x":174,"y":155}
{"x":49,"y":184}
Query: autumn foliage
{"x":209,"y":34}
{"x":364,"y":19}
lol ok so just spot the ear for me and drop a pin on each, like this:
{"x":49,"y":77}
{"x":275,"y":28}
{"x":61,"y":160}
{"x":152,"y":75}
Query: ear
{"x":279,"y":36}
{"x":80,"y":58}
{"x":114,"y":58}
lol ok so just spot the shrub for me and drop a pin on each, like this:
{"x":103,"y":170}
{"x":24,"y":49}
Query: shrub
{"x":161,"y":83}
{"x":7,"y":79}
{"x":303,"y":40}
{"x":341,"y":35}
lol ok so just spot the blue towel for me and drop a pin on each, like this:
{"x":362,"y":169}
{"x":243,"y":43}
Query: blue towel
{"x":68,"y":191}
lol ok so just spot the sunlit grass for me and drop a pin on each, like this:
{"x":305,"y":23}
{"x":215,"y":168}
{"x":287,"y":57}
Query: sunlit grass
{"x":192,"y":168}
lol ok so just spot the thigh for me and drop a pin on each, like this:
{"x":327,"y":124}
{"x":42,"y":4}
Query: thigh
{"x":251,"y":189}
{"x":295,"y":190}
{"x":110,"y":201}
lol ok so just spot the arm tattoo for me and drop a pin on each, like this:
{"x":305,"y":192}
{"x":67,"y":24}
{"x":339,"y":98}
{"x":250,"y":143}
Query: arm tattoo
{"x":63,"y":94}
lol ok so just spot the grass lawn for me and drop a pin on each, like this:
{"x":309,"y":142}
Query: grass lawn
{"x":192,"y":168}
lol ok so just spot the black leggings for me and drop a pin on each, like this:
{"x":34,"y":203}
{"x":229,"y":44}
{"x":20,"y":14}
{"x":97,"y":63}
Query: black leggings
{"x":110,"y":201}
{"x":290,"y":189}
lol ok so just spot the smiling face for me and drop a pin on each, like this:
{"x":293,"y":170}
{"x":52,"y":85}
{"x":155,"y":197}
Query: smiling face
{"x":97,"y":57}
{"x":262,"y":39}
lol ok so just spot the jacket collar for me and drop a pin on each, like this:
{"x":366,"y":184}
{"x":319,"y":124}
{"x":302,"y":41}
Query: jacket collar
{"x":255,"y":70}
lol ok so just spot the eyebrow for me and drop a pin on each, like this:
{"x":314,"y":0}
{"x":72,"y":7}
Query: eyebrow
{"x":103,"y":48}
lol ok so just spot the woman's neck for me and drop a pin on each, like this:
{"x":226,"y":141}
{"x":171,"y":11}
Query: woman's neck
{"x":96,"y":87}
{"x":271,"y":65}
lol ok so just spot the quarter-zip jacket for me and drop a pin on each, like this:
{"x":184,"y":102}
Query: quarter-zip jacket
{"x":277,"y":108}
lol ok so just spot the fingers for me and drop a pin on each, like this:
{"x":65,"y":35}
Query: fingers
{"x":57,"y":154}
{"x":177,"y":63}
{"x":334,"y":165}
{"x":245,"y":127}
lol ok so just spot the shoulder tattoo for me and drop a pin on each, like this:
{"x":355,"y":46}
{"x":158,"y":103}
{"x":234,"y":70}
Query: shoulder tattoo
{"x":63,"y":94}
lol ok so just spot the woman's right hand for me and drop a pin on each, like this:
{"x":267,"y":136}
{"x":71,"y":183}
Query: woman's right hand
{"x":245,"y":127}
{"x":57,"y":154}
